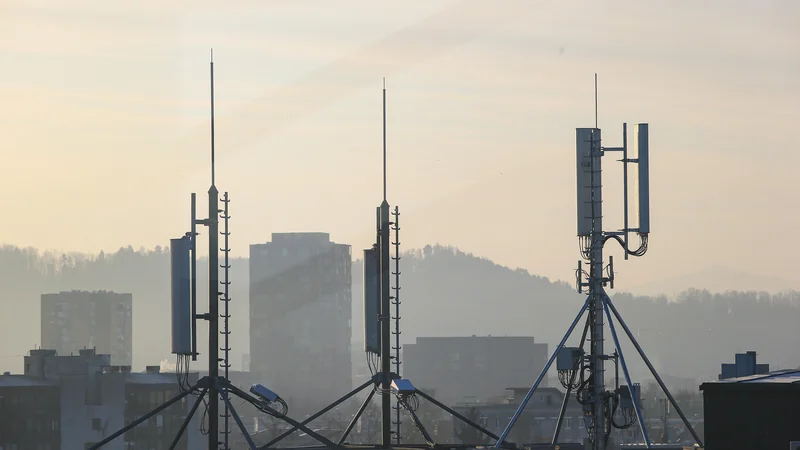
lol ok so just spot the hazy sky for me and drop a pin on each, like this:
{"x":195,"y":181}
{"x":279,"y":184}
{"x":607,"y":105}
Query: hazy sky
{"x":105,"y":123}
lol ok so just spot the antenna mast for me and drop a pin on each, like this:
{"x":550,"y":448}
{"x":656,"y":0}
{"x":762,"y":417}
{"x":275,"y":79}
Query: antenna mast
{"x":386,"y":312}
{"x":573,"y":365}
{"x":213,"y":290}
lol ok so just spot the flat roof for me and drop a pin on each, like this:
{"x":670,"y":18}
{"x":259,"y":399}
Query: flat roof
{"x":151,"y":378}
{"x":23,"y":381}
{"x":785,"y":378}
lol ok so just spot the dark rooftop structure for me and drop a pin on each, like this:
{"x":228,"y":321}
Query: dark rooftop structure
{"x":755,"y":411}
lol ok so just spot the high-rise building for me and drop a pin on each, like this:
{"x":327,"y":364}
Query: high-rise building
{"x":300,"y":317}
{"x":77,"y":320}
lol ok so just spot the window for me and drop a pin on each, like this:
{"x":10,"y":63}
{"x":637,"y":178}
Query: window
{"x":97,"y":424}
{"x":568,"y":423}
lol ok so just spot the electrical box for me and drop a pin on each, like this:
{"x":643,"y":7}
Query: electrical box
{"x":641,"y":146}
{"x":180,"y":250}
{"x":625,"y":399}
{"x":372,"y":301}
{"x":265,"y":393}
{"x":403,"y":386}
{"x":569,"y":358}
{"x":587,"y":159}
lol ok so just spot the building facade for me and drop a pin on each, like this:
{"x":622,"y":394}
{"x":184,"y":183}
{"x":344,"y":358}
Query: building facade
{"x":76,"y":320}
{"x":300,"y":317}
{"x":73,"y":402}
{"x":755,"y":411}
{"x":475,"y":368}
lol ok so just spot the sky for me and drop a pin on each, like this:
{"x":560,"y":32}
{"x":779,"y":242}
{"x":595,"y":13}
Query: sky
{"x":105,"y":124}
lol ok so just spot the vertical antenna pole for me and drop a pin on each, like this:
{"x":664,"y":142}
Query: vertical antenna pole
{"x":595,"y":100}
{"x":194,"y":276}
{"x":384,"y":139}
{"x":213,"y":294}
{"x":212,"y":118}
{"x":625,"y":185}
{"x":596,"y":293}
{"x":386,"y":312}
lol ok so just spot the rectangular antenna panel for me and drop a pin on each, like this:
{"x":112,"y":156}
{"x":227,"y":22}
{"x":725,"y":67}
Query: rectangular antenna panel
{"x":584,"y":139}
{"x":372,"y":300}
{"x":181,"y":296}
{"x":641,"y":143}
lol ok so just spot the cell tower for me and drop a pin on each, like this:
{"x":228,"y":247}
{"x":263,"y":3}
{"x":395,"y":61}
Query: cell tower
{"x":619,"y":407}
{"x":209,"y":389}
{"x":378,"y":302}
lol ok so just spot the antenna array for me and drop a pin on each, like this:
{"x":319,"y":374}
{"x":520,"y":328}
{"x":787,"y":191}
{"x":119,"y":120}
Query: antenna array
{"x":585,"y":373}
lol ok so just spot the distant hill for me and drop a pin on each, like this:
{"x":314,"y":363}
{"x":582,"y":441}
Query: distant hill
{"x":714,"y":279}
{"x":445,"y":291}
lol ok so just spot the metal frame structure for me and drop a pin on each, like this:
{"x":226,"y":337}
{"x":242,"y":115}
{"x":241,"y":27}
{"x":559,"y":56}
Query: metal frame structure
{"x":225,"y":362}
{"x":382,"y":380}
{"x":599,"y":403}
{"x":210,"y":389}
{"x":396,"y":301}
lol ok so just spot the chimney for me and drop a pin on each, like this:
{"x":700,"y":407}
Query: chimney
{"x":152,"y":369}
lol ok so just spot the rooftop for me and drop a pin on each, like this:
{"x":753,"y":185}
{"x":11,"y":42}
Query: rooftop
{"x":23,"y":381}
{"x":785,"y":378}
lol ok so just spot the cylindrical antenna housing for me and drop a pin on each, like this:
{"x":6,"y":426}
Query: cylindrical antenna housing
{"x":372,"y":301}
{"x":641,"y":142}
{"x":584,"y":138}
{"x":181,"y":296}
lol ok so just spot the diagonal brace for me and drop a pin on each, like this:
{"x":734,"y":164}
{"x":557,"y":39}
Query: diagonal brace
{"x":152,"y":413}
{"x":271,"y":411}
{"x":356,"y":416}
{"x":455,"y":414}
{"x":636,"y":406}
{"x":653,"y":371}
{"x":418,"y":423}
{"x":319,"y":413}
{"x":542,"y":375}
{"x":188,"y":419}
{"x":227,"y":400}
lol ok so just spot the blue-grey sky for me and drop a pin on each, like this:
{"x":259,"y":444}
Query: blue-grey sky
{"x":105,"y":123}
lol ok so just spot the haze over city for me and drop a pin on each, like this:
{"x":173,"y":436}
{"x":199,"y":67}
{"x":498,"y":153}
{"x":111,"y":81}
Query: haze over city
{"x":108,"y":106}
{"x":106,"y":128}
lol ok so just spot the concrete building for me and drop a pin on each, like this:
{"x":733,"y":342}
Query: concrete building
{"x":30,"y":413}
{"x":473,"y":369}
{"x":76,"y":320}
{"x":755,"y":411}
{"x":300,"y":317}
{"x":72,"y":402}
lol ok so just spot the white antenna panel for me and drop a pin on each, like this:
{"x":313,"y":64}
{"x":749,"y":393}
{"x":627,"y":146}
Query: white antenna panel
{"x":641,"y":149}
{"x":372,"y":299}
{"x":181,"y":296}
{"x":584,"y":137}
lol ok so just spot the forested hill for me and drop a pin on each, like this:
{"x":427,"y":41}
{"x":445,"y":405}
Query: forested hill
{"x":444,"y":292}
{"x":448,"y":292}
